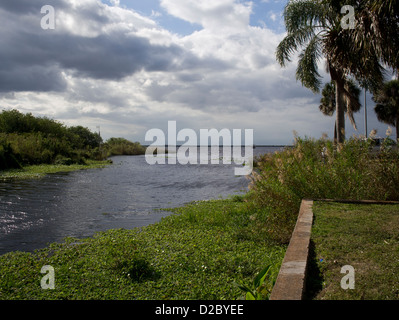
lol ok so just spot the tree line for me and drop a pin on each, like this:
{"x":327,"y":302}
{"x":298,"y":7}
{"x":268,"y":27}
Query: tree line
{"x":29,"y":140}
{"x":359,"y":55}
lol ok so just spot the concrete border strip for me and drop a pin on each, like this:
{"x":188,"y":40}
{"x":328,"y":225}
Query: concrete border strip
{"x":290,"y":284}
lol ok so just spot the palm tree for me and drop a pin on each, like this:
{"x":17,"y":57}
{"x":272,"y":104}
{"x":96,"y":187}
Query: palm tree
{"x":379,"y":29}
{"x":387,"y":107}
{"x":328,"y":102}
{"x":374,"y":41}
{"x":315,"y":26}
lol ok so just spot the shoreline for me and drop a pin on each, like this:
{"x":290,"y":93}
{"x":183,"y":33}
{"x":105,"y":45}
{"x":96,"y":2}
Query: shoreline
{"x":200,"y":252}
{"x":40,"y":171}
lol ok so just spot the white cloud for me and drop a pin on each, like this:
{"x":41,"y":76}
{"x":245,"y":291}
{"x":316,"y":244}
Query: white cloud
{"x":273,"y":16}
{"x":110,"y":66}
{"x":218,"y":16}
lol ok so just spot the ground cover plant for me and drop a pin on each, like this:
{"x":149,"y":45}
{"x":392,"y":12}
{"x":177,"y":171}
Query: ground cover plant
{"x":203,"y":251}
{"x":365,"y":237}
{"x":39,"y":171}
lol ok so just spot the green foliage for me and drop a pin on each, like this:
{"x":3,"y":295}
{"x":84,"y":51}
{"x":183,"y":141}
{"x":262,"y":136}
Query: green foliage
{"x":259,"y":289}
{"x":138,"y":269}
{"x":314,"y":169}
{"x":387,"y":107}
{"x":84,"y":138}
{"x":121,"y":146}
{"x":8,"y":159}
{"x":38,"y":171}
{"x":27,"y":140}
{"x":197,"y":253}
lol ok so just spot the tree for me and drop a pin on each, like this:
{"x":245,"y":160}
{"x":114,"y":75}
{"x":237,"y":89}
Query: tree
{"x":86,"y":138}
{"x":387,"y":107}
{"x":371,"y":44}
{"x":377,"y":30}
{"x":316,"y":27}
{"x":328,"y":102}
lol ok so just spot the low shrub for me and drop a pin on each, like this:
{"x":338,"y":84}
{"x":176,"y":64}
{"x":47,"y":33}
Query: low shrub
{"x":316,"y":169}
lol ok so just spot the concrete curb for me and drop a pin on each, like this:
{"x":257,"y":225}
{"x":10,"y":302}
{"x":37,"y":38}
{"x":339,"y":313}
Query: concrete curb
{"x":290,"y":284}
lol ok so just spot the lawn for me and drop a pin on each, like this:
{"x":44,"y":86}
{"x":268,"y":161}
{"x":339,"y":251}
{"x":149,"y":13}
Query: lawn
{"x":365,"y":237}
{"x":200,"y":252}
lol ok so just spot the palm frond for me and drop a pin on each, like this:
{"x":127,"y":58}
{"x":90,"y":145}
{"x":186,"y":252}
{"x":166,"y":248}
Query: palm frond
{"x":300,"y":13}
{"x":292,"y":43}
{"x":307,"y":71}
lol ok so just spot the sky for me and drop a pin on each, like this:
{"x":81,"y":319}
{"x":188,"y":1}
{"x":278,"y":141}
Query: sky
{"x":124,"y":67}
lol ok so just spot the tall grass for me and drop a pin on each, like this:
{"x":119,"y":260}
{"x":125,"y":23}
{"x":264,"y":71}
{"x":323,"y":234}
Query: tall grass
{"x":315,"y":169}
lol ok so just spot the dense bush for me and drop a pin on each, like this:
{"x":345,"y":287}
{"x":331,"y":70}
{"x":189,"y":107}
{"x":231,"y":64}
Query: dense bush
{"x":315,"y":169}
{"x":121,"y":146}
{"x":8,"y":160}
{"x":29,"y":140}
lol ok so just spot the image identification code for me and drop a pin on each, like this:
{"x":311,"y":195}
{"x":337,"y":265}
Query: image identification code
{"x":203,"y":309}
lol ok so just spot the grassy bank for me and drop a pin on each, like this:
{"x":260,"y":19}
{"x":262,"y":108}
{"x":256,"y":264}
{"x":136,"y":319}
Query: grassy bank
{"x":199,"y":252}
{"x":38,"y":171}
{"x":315,"y":169}
{"x":365,"y":237}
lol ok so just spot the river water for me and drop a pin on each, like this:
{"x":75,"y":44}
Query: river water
{"x":126,"y":194}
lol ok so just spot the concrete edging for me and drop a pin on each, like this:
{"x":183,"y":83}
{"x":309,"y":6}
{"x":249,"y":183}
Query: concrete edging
{"x":290,"y":284}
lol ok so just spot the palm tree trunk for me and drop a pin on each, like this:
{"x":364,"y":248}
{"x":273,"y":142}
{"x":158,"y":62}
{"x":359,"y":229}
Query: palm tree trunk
{"x":397,"y":127}
{"x":338,"y":77}
{"x":335,"y":132}
{"x":340,"y":111}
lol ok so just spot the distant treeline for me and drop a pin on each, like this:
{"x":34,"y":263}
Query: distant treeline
{"x":29,"y":140}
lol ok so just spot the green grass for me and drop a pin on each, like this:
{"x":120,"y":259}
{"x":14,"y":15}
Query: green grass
{"x":365,"y":237}
{"x":39,"y":171}
{"x":315,"y":169}
{"x":198,"y":253}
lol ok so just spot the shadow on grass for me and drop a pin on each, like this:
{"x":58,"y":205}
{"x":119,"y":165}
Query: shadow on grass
{"x":314,"y":279}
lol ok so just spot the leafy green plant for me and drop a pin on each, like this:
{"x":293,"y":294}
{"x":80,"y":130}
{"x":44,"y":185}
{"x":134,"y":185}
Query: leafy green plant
{"x":174,"y":259}
{"x":138,"y":270}
{"x":316,"y":169}
{"x":259,"y":289}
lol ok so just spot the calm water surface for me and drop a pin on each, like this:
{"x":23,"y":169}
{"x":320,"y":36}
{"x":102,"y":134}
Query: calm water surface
{"x":34,"y":213}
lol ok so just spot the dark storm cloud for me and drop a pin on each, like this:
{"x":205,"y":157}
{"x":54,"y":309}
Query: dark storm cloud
{"x":33,"y":59}
{"x":32,"y":78}
{"x":28,"y":6}
{"x":106,"y":56}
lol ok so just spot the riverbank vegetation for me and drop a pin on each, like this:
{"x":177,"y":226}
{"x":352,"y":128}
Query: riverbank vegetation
{"x":315,"y":169}
{"x":41,"y":170}
{"x":203,"y":251}
{"x":27,"y":141}
{"x":209,"y":249}
{"x":123,"y":147}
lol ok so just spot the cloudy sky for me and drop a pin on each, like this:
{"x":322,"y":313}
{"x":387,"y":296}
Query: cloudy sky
{"x":128,"y":66}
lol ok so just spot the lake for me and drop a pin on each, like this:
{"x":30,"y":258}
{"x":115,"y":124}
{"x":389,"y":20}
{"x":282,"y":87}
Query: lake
{"x":126,"y":194}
